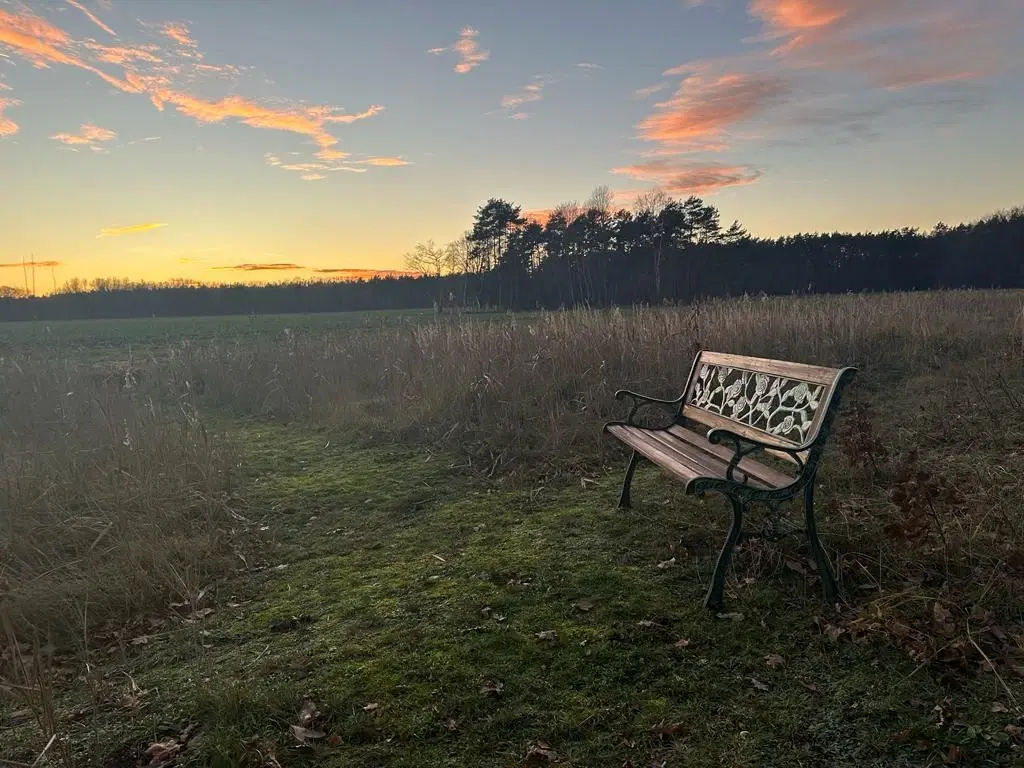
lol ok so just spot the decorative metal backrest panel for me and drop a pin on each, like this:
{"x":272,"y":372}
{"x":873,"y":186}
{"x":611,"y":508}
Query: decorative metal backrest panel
{"x":780,"y":406}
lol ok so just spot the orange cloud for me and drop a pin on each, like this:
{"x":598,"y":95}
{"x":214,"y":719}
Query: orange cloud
{"x":90,"y":134}
{"x":468,"y":49}
{"x":530,"y":92}
{"x":538,"y":215}
{"x":682,"y":178}
{"x":274,"y":267}
{"x":650,"y":90}
{"x":178,"y":32}
{"x":385,"y":162}
{"x":307,"y":121}
{"x":92,"y":17}
{"x":40,"y":42}
{"x":705,"y":106}
{"x":131,"y":229}
{"x":7,"y":126}
{"x":112,"y":54}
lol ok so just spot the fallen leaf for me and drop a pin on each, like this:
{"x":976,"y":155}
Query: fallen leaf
{"x":163,"y":752}
{"x":451,"y":724}
{"x":270,"y":759}
{"x":943,"y":619}
{"x":667,"y":732}
{"x":796,"y":566}
{"x":335,"y":740}
{"x":547,"y":634}
{"x":499,"y":617}
{"x":647,"y":623}
{"x":774,"y":661}
{"x":539,"y":753}
{"x":663,"y":565}
{"x":202,"y":613}
{"x":141,"y":639}
{"x":583,"y":606}
{"x":493,"y":688}
{"x":486,"y":610}
{"x":306,"y":735}
{"x":308,"y":713}
{"x":683,"y":643}
{"x":731,"y":616}
{"x":998,"y":706}
{"x":758,"y":684}
{"x":954,"y":756}
{"x":373,"y":706}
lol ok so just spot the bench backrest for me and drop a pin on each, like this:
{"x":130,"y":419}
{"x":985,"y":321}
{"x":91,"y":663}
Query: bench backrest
{"x":769,"y":400}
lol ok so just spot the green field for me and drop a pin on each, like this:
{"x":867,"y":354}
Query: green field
{"x":415,"y":530}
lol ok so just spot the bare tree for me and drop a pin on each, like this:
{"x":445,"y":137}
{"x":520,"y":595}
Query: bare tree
{"x":651,"y":202}
{"x":600,"y":199}
{"x":427,"y":258}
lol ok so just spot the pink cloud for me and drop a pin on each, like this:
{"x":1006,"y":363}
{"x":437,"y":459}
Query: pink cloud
{"x":468,"y":49}
{"x":705,"y":106}
{"x":89,"y":134}
{"x":691,"y":178}
{"x":92,"y":17}
{"x":7,"y":126}
{"x":179,"y":33}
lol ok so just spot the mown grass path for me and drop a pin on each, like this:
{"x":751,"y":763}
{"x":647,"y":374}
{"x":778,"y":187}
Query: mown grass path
{"x":437,"y":621}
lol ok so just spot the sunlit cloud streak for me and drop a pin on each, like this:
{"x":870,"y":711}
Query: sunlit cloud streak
{"x":468,"y":50}
{"x":131,"y":229}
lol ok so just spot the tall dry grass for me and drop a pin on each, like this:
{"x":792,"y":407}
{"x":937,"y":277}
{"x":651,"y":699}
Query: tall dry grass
{"x":112,"y":500}
{"x":530,"y":391}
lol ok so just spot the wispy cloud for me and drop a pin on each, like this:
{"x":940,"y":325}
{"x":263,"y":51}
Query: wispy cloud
{"x":468,"y":50}
{"x":92,"y":17}
{"x":385,"y":162}
{"x":19,"y":264}
{"x":532,"y":91}
{"x":179,"y":33}
{"x":131,"y":229}
{"x":272,"y":267}
{"x":706,"y":105}
{"x":124,"y":55}
{"x":589,"y":66}
{"x":691,"y":178}
{"x":43,"y":44}
{"x":650,"y":90}
{"x":88,"y":134}
{"x":7,"y":126}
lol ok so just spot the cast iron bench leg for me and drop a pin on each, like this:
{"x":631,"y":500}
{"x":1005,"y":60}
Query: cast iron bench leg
{"x":828,"y":579}
{"x":624,"y":502}
{"x":716,"y":595}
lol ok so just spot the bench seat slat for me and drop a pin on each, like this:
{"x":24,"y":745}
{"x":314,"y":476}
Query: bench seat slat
{"x":767,"y":475}
{"x":691,"y":456}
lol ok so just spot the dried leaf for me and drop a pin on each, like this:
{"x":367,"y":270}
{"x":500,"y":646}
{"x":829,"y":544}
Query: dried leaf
{"x":683,"y":642}
{"x":539,"y":753}
{"x":584,"y":605}
{"x":373,"y":706}
{"x":451,"y":724}
{"x":665,"y":564}
{"x":308,"y":713}
{"x":796,"y":566}
{"x":774,"y":661}
{"x":141,"y":639}
{"x":954,"y":756}
{"x":335,"y":740}
{"x":667,"y":732}
{"x":306,"y":735}
{"x":647,"y":623}
{"x":758,"y":684}
{"x":1015,"y":731}
{"x":547,"y":634}
{"x":731,"y":616}
{"x":493,"y":688}
{"x":163,"y":752}
{"x":943,"y":619}
{"x":202,"y":613}
{"x":998,"y":706}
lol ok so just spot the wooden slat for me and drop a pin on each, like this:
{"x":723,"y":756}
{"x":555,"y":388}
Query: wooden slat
{"x":704,"y":464}
{"x":715,"y":421}
{"x":810,"y":373}
{"x":752,"y":467}
{"x":636,"y":438}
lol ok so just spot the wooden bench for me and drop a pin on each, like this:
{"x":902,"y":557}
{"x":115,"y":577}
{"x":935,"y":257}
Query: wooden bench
{"x":733,"y":406}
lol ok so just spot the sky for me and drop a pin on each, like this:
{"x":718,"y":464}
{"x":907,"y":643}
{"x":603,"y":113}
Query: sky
{"x":227,"y":140}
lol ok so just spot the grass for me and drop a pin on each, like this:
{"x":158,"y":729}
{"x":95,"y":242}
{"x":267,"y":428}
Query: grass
{"x":413,"y":568}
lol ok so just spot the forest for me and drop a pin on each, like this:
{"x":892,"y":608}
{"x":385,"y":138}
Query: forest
{"x":662,"y":250}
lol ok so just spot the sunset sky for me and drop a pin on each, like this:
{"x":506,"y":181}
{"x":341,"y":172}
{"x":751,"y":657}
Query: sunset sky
{"x":236,"y":139}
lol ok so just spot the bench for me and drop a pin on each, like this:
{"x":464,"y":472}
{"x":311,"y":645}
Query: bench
{"x":734,"y":406}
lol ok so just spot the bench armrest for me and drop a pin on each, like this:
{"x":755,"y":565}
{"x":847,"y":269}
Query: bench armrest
{"x":744,"y":446}
{"x":641,"y":401}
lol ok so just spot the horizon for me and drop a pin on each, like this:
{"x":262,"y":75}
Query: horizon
{"x":160,"y":141}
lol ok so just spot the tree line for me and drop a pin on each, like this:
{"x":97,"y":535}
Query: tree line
{"x":661,"y":250}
